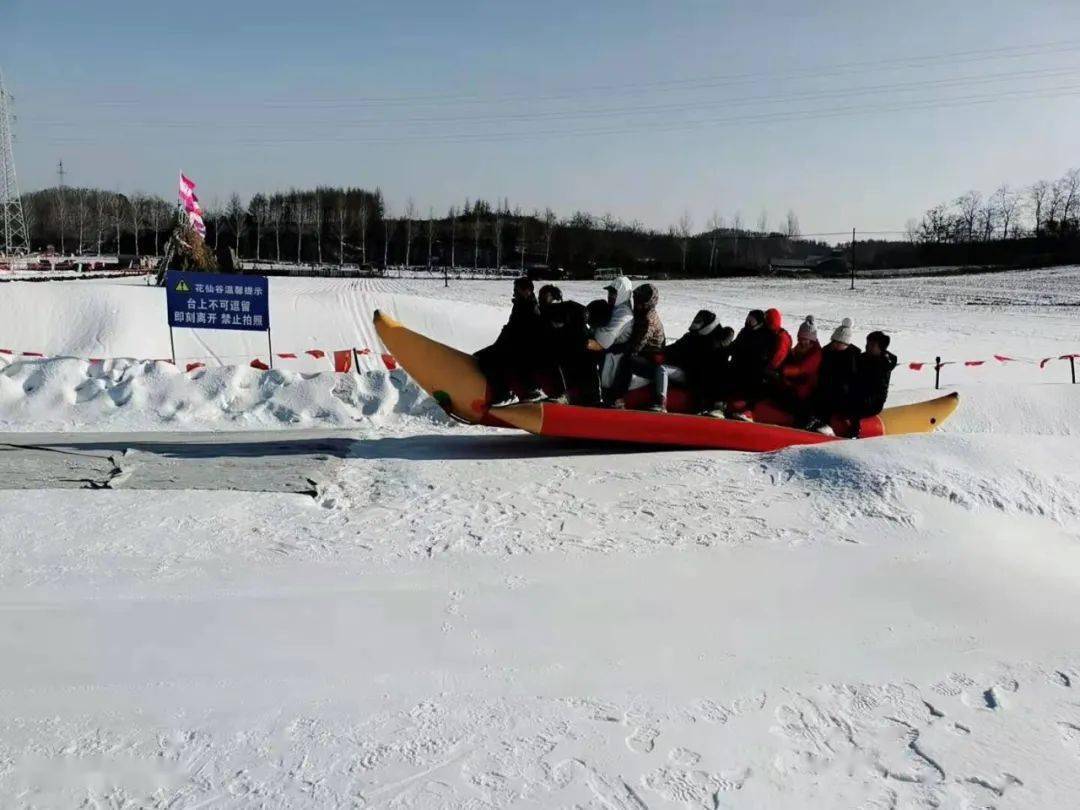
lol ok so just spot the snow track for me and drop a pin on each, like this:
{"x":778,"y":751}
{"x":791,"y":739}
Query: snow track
{"x":415,"y":614}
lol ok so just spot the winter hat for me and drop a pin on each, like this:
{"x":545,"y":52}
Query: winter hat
{"x":727,"y":336}
{"x":704,"y":322}
{"x":880,"y":338}
{"x":807,"y":330}
{"x":773,"y":319}
{"x":758,"y":316}
{"x":843,"y":332}
{"x":646,"y":297}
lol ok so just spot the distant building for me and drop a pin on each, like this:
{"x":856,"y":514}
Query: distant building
{"x":833,"y":264}
{"x":607,"y":273}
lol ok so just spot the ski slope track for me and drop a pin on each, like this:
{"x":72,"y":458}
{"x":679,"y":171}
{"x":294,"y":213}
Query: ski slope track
{"x":300,"y":589}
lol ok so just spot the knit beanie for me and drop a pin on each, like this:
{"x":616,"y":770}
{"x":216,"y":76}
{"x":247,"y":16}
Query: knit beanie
{"x":843,"y":332}
{"x":704,"y":322}
{"x":807,"y":330}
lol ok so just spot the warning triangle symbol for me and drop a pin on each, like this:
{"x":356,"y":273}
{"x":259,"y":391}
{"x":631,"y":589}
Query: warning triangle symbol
{"x":182,"y":286}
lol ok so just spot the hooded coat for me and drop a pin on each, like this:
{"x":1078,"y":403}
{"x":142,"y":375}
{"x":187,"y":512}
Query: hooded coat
{"x":647,"y":335}
{"x":522,"y":331}
{"x":621,"y":323}
{"x":613,"y":335}
{"x":781,"y":346}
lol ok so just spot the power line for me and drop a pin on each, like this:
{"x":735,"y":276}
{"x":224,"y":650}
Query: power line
{"x":1042,"y":73}
{"x":670,"y":85}
{"x":680,"y":126}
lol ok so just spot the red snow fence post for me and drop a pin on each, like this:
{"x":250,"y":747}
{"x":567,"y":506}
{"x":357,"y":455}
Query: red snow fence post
{"x":343,"y":360}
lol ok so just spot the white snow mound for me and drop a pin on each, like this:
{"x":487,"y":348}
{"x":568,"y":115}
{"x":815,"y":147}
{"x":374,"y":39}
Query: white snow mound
{"x":124,"y":394}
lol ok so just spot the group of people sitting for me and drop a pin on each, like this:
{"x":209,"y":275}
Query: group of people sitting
{"x":564,"y":351}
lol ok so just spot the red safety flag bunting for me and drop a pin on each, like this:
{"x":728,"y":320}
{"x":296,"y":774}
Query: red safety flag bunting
{"x":343,"y":360}
{"x":389,"y":362}
{"x":286,"y":355}
{"x":916,"y":366}
{"x":1003,"y":359}
{"x":973,"y":362}
{"x":318,"y":354}
{"x":193,"y":366}
{"x":259,"y":364}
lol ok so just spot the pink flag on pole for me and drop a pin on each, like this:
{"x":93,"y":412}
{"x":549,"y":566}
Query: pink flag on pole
{"x":190,"y":202}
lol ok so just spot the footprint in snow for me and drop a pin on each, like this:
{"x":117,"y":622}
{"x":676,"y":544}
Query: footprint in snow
{"x":643,"y":740}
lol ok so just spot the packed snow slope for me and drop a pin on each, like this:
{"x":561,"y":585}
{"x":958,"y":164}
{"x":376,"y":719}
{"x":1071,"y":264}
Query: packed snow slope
{"x":464,"y":617}
{"x":1028,"y":315}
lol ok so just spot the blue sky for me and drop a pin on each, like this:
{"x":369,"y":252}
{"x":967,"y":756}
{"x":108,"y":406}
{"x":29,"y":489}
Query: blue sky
{"x":863,"y":114}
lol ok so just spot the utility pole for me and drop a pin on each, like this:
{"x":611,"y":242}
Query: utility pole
{"x":853,"y":258}
{"x":13,"y":231}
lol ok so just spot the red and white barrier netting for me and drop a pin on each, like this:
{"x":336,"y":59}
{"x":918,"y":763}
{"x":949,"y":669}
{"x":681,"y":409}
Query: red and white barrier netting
{"x":347,"y":360}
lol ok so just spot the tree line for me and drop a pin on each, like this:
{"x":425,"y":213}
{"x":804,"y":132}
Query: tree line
{"x":337,"y":226}
{"x":1039,"y":224}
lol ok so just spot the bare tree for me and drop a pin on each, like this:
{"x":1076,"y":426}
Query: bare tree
{"x":213,"y":215}
{"x":315,"y":214}
{"x":388,"y":234}
{"x":341,"y":228}
{"x":681,"y":231}
{"x":791,"y":225}
{"x":911,"y":230}
{"x":410,"y":215}
{"x":1038,"y":194}
{"x":715,"y":225}
{"x":736,"y":232}
{"x":1070,"y":186}
{"x":523,"y":240}
{"x":498,"y":234}
{"x":453,"y":236}
{"x":363,"y":214}
{"x":763,"y":222}
{"x":81,"y":214}
{"x":116,"y":213}
{"x":1007,"y":202}
{"x":99,"y":218}
{"x":158,"y":213}
{"x":968,"y":206}
{"x":137,"y":210}
{"x":987,"y":220}
{"x":61,"y":215}
{"x":277,"y":215}
{"x":236,"y":214}
{"x":477,"y":230}
{"x":430,"y":234}
{"x":549,"y":230}
{"x":259,"y":210}
{"x":300,"y":217}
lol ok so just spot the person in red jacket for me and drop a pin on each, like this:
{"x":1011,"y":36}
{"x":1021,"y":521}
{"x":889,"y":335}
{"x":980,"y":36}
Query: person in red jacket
{"x":799,"y":374}
{"x":781,"y":345}
{"x":774,"y":345}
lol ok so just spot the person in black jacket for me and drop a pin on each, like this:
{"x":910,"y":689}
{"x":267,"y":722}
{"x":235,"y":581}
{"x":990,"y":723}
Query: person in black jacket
{"x":511,"y":362}
{"x":753,"y":349}
{"x":571,"y":367}
{"x":700,"y":360}
{"x":836,"y":380}
{"x":873,"y":371}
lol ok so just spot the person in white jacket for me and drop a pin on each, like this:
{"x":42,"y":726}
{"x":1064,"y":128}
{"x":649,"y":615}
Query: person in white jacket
{"x":609,"y":337}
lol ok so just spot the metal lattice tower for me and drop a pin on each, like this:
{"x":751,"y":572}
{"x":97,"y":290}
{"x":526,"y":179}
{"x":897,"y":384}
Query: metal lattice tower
{"x":13,"y":234}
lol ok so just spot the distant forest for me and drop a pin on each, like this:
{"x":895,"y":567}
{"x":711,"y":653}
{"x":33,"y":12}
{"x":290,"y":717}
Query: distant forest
{"x":1038,"y":225}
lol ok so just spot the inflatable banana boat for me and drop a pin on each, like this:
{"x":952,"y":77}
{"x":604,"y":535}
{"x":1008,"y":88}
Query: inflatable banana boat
{"x":457,"y":384}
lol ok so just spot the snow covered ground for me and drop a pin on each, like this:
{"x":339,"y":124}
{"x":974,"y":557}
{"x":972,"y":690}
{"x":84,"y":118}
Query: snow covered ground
{"x":471,"y":618}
